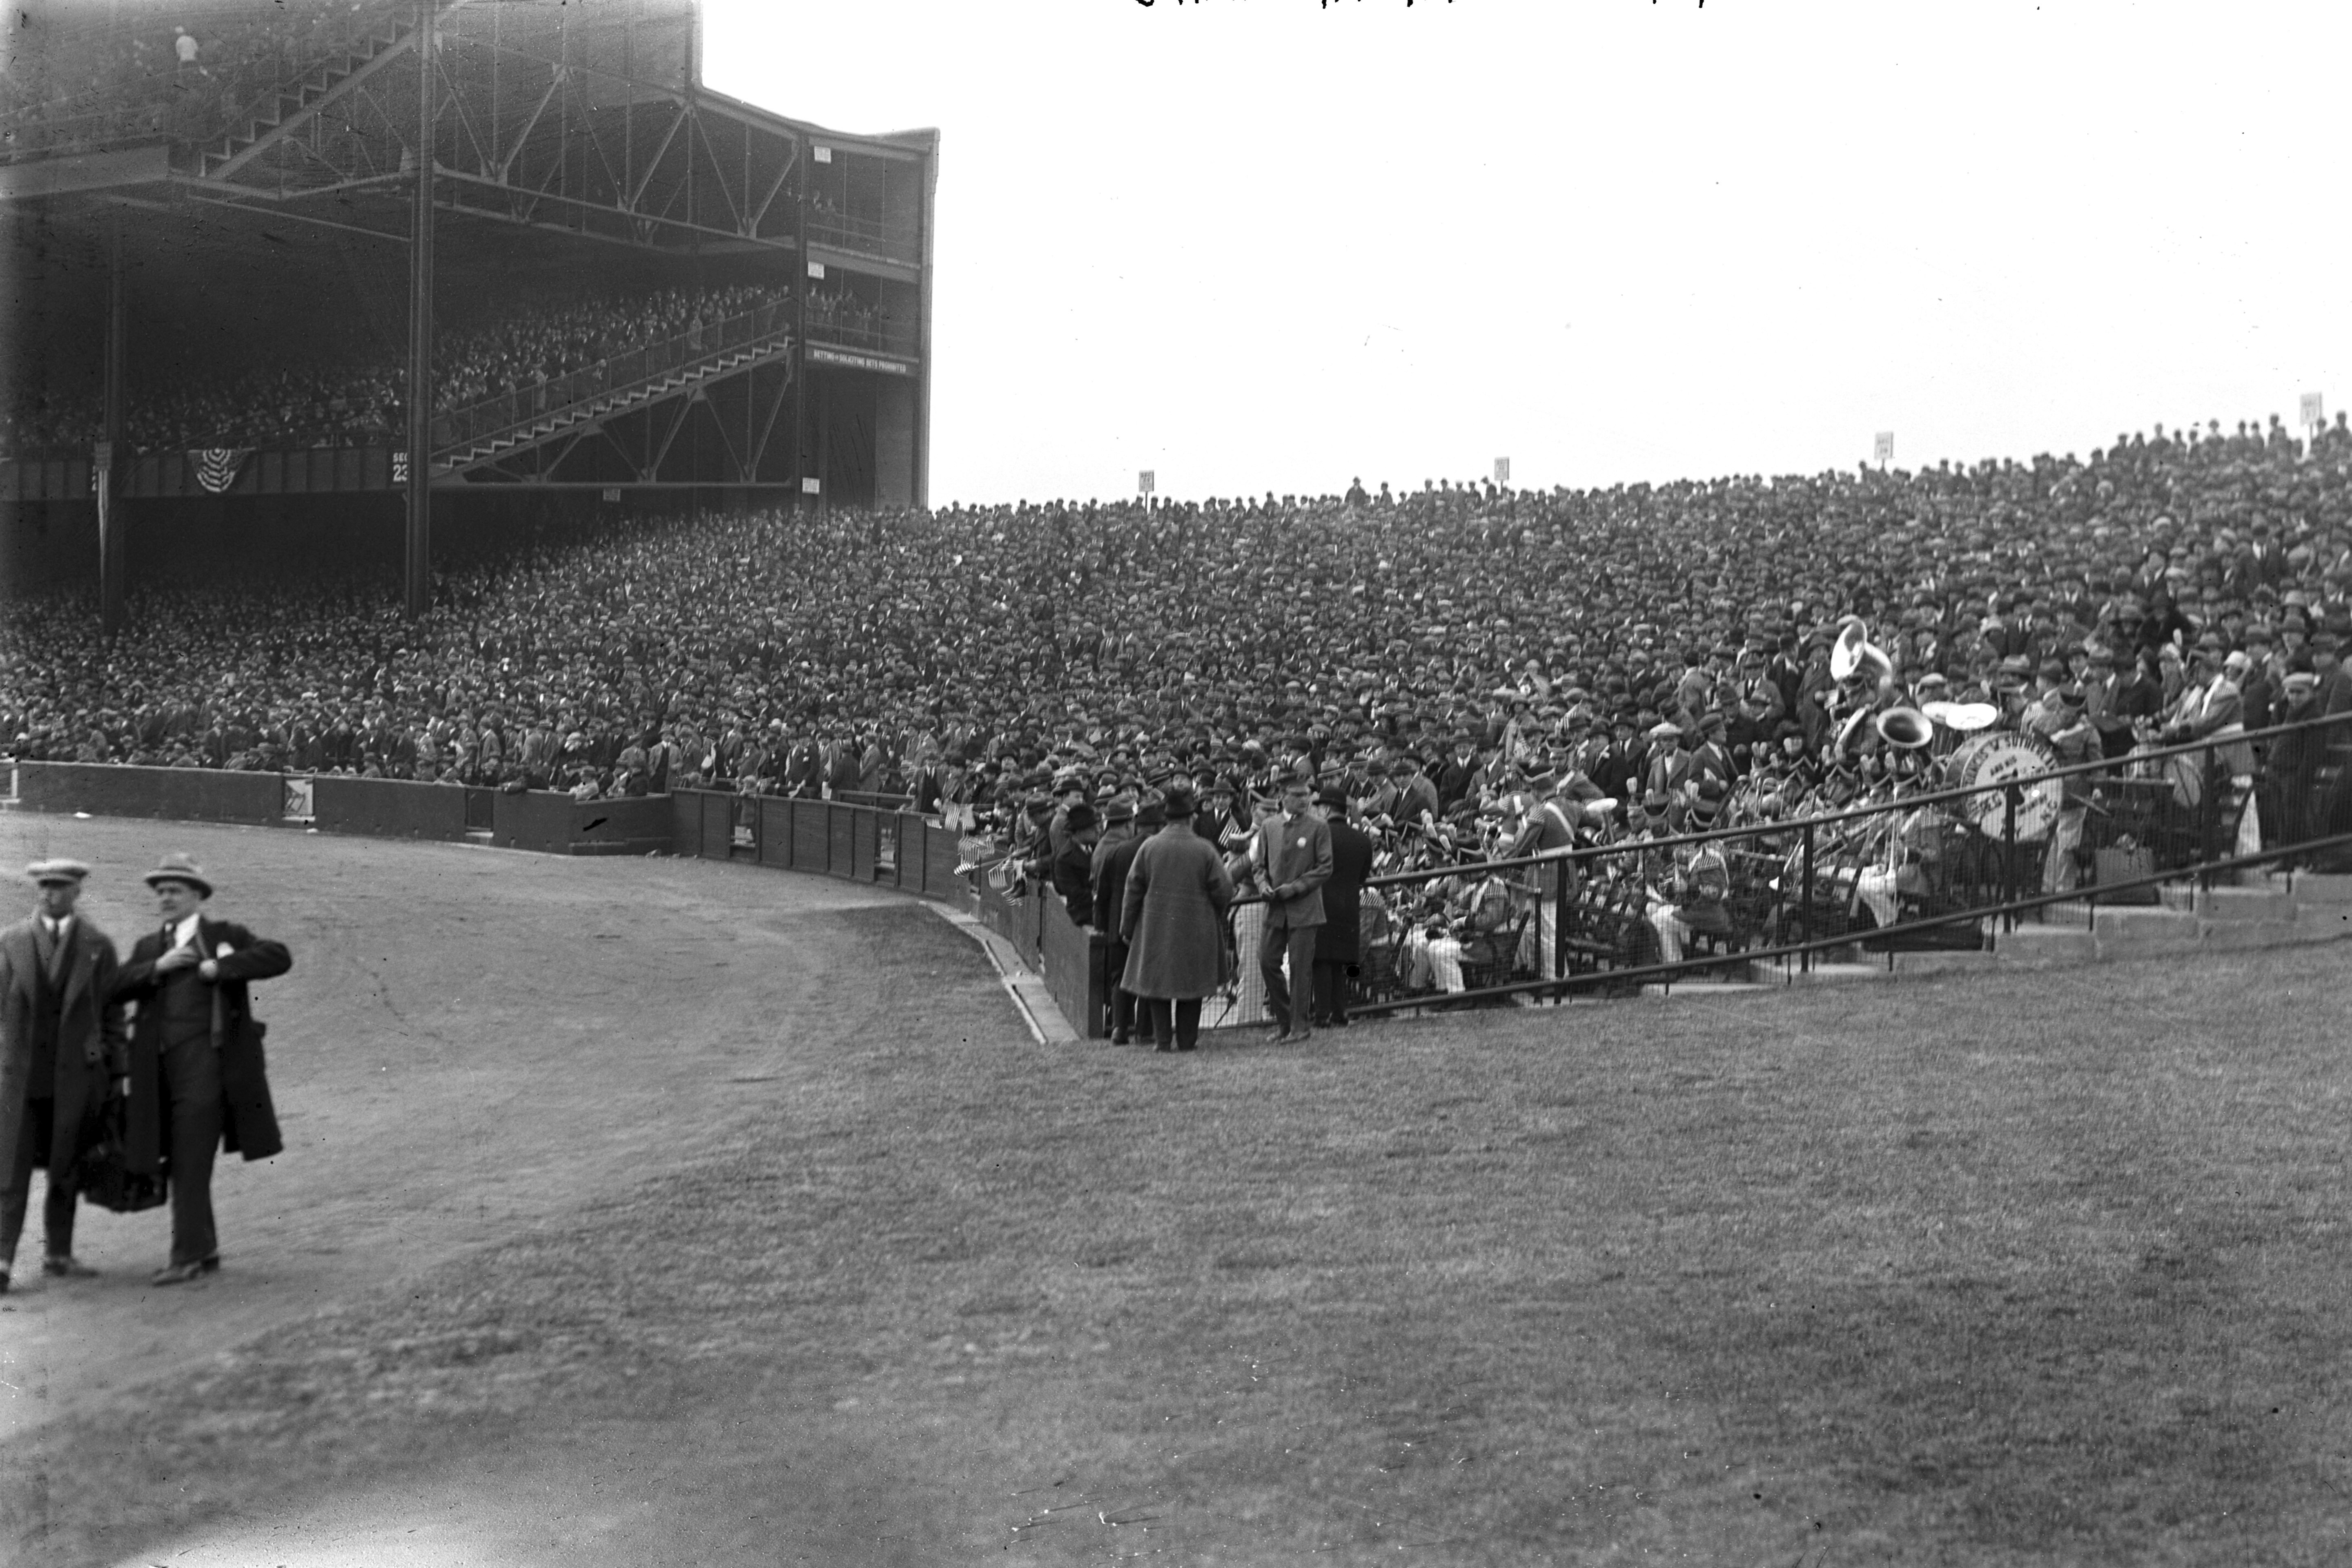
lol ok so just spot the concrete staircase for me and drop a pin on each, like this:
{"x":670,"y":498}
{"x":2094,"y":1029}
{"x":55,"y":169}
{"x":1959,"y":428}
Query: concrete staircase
{"x":618,"y":401}
{"x":2276,"y":908}
{"x":2260,"y":910}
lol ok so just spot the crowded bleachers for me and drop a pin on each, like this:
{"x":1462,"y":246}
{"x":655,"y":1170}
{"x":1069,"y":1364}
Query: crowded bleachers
{"x":973,"y":652}
{"x":1470,"y":673}
{"x":354,"y":402}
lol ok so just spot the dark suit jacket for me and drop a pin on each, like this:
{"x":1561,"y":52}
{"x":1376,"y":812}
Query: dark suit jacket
{"x":90,"y":1045}
{"x":1111,"y":862}
{"x":248,"y":1120}
{"x":1343,"y":895}
{"x":1298,"y":858}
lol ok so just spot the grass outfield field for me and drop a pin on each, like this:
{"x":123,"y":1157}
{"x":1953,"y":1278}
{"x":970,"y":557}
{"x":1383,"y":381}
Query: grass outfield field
{"x":727,"y":1216}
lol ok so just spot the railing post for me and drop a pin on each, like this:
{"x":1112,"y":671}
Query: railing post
{"x":1805,"y":904}
{"x":1560,"y":878}
{"x":2209,"y":825}
{"x":2011,"y":798}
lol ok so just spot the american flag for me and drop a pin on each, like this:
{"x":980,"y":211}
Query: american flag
{"x":217,"y":467}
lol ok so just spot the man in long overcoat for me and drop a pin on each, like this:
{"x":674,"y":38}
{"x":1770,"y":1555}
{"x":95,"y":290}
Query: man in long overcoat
{"x":61,"y":1044}
{"x":198,"y":1078}
{"x":1173,"y":922}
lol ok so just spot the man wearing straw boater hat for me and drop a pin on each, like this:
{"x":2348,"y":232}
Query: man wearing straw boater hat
{"x":196,"y":1075}
{"x":61,"y":1045}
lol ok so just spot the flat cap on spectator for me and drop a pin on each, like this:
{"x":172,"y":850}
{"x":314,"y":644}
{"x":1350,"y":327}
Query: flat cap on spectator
{"x":58,"y":871}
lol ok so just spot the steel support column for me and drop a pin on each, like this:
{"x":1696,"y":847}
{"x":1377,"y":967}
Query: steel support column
{"x":800,"y":318}
{"x":418,"y":573}
{"x":113,"y":558}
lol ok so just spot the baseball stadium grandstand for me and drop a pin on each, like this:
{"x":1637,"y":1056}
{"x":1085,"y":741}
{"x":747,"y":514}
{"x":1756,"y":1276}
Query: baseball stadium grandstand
{"x":238,"y":233}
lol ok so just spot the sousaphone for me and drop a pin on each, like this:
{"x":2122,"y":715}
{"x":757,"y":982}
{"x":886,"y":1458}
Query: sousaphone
{"x":1854,"y":655}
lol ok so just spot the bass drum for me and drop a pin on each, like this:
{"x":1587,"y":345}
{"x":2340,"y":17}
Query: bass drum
{"x":1988,"y":760}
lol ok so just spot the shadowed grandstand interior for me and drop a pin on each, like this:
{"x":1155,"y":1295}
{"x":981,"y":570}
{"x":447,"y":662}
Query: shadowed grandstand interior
{"x":641,"y":289}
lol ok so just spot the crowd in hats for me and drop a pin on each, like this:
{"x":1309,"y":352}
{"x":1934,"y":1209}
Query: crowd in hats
{"x":1472,"y":666}
{"x":85,"y":77}
{"x":354,"y":398}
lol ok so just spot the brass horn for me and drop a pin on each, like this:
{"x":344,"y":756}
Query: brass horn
{"x":1846,"y":654}
{"x":1905,"y":727}
{"x":1850,"y":731}
{"x":1854,"y":654}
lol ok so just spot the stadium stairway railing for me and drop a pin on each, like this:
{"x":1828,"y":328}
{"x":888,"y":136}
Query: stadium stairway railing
{"x":354,"y":45}
{"x":2162,"y":850}
{"x":199,"y":106}
{"x":505,"y":420}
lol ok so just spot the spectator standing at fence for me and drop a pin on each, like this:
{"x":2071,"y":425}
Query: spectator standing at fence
{"x":1130,"y":820}
{"x":1173,"y":922}
{"x":62,"y":1045}
{"x":1338,"y":939}
{"x":1073,"y":868}
{"x":196,"y":1056}
{"x":1294,"y":858}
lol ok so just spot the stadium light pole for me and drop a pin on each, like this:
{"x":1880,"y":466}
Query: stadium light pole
{"x":419,"y":562}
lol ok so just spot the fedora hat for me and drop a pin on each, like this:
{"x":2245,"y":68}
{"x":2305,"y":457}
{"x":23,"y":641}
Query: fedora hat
{"x":180,"y":867}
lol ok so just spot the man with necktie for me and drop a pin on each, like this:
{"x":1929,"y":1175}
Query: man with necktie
{"x":1295,"y":860}
{"x":61,"y":1045}
{"x":197,"y":1082}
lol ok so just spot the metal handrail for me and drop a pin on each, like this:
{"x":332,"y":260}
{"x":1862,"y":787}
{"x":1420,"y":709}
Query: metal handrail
{"x":347,"y":36}
{"x":873,"y":238}
{"x":489,"y":417}
{"x":893,"y":337}
{"x":41,"y":129}
{"x":1668,"y":972}
{"x":1970,"y":874}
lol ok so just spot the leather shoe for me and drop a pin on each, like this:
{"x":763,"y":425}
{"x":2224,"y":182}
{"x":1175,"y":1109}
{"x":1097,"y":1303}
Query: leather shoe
{"x":1296,"y":1038}
{"x":210,"y":1265}
{"x":69,"y":1267}
{"x":4,"y":1282}
{"x":177,"y":1273}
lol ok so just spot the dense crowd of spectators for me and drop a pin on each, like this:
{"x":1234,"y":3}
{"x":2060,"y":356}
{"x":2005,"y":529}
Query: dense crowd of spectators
{"x":344,"y":403}
{"x":91,"y":75}
{"x":1647,"y":656}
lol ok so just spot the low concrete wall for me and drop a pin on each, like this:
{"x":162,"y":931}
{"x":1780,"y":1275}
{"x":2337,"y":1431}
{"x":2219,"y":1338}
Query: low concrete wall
{"x":387,"y":809}
{"x":879,"y":847}
{"x":554,"y":824}
{"x":189,"y":794}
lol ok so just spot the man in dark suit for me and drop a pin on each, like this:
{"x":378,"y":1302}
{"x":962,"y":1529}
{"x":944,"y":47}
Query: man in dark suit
{"x":197,"y":1081}
{"x":1337,"y":941}
{"x":1295,"y":856}
{"x":1113,"y":857}
{"x":61,"y":1045}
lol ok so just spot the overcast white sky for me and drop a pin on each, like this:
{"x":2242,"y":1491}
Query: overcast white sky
{"x":1274,"y":244}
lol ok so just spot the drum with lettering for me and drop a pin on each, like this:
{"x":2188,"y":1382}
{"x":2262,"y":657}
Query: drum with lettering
{"x":1988,"y":760}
